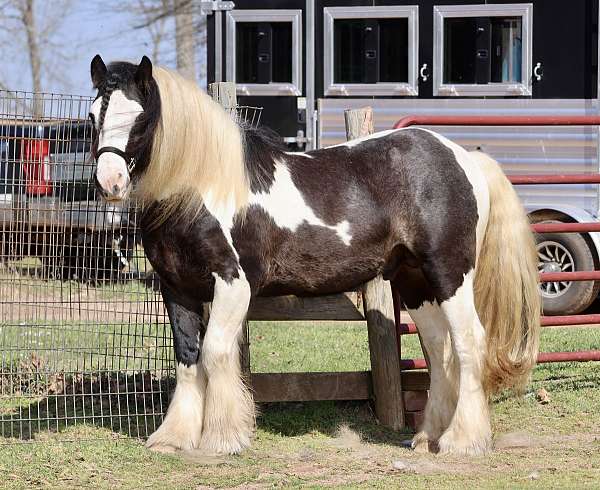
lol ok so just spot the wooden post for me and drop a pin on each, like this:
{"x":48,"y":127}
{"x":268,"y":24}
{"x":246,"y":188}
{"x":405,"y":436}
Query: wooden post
{"x":225,"y":94}
{"x":379,"y":312}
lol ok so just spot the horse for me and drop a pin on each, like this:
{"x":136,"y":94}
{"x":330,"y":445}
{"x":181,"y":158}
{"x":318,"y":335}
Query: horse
{"x":227,"y":214}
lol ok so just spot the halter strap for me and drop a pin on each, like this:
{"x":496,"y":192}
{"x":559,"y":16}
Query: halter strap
{"x":129,"y":161}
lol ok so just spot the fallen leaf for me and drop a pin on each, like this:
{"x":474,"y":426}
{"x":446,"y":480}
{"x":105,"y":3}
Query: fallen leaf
{"x":542,"y":396}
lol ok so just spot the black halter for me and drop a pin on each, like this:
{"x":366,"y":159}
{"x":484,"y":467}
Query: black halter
{"x":129,"y":161}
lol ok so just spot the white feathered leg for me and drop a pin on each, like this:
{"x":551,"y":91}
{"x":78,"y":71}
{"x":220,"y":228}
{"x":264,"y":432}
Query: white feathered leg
{"x":443,"y":390}
{"x":182,"y":426}
{"x":229,"y":415}
{"x":470,"y":430}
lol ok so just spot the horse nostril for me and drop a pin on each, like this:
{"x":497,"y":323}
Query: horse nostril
{"x":116,"y":189}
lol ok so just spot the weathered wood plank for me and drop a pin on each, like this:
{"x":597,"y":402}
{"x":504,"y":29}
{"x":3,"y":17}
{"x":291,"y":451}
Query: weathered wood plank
{"x":385,"y":363}
{"x":414,"y":419}
{"x":414,"y":401}
{"x":347,"y":306}
{"x":359,"y":122}
{"x":415,"y":380}
{"x":289,"y":387}
{"x":379,"y":311}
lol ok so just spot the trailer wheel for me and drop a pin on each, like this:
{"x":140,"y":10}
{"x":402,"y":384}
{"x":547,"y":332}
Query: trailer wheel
{"x":565,"y":252}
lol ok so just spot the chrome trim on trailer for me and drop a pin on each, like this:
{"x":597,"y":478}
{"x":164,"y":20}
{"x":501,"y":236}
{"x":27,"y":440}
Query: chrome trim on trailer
{"x":309,"y":63}
{"x":523,"y":10}
{"x":218,"y":46}
{"x":266,"y":15}
{"x":330,"y":14}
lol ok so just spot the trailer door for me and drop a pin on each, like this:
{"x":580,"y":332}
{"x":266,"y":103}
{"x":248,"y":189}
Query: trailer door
{"x":262,"y":51}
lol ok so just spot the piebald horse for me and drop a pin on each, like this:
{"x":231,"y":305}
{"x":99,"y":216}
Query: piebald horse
{"x":227,"y":215}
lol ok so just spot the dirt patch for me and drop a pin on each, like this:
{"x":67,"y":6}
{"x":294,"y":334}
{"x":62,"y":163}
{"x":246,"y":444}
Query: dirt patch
{"x":27,"y":299}
{"x":520,"y":440}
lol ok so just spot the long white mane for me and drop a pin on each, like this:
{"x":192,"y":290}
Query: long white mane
{"x":197,"y":151}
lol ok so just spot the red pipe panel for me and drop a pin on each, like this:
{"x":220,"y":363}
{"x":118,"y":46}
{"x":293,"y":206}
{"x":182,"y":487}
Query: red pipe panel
{"x":546,"y":321}
{"x":570,"y":276}
{"x":497,"y":121}
{"x":554,"y":179}
{"x":581,"y":356}
{"x":565,"y":227}
{"x":544,"y":357}
{"x":569,"y":320}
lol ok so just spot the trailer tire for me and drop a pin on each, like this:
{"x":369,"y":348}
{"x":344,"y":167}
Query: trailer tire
{"x":565,"y":252}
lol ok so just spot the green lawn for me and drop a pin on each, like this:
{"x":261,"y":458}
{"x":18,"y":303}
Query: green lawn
{"x":318,"y":445}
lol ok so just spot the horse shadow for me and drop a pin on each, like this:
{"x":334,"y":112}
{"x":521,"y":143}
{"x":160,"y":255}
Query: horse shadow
{"x":133,"y":405}
{"x":128,"y":404}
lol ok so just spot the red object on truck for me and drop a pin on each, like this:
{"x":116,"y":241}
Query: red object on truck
{"x":35,"y":155}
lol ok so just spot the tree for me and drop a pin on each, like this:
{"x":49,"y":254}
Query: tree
{"x":178,"y":23}
{"x":185,"y":43}
{"x":31,"y":25}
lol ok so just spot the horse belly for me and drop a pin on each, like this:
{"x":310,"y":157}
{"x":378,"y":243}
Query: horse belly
{"x":318,"y":262}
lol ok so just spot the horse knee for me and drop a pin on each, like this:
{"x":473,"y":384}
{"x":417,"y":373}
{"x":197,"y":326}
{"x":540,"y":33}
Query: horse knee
{"x":220,"y":350}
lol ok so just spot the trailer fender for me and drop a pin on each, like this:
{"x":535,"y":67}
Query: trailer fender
{"x":577,"y":214}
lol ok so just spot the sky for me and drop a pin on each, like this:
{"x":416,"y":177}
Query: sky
{"x":89,"y":28}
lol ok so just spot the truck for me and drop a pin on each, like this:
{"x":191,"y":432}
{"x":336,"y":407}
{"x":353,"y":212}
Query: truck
{"x":49,"y":209}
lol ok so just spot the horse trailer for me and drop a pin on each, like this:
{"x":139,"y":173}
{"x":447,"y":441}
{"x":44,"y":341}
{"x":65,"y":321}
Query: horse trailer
{"x":306,"y":61}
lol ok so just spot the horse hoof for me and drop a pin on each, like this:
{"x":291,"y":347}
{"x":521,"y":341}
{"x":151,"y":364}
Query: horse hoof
{"x":221,"y":445}
{"x":450,"y":443}
{"x":160,"y":448}
{"x":166,"y":441}
{"x":422,"y":444}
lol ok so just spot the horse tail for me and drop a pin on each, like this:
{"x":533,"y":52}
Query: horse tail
{"x":507,"y":296}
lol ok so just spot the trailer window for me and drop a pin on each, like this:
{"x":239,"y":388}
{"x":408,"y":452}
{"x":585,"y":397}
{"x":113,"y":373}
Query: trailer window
{"x":482,"y":50}
{"x":263,"y":51}
{"x":370,"y":50}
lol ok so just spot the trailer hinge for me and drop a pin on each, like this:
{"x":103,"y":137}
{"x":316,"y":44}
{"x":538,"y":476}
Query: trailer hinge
{"x":207,"y":8}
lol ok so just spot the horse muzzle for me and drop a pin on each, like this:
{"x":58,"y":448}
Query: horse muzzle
{"x":112,"y":187}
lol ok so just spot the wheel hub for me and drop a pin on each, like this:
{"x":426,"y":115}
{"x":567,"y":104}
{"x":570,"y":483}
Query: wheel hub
{"x":554,"y":257}
{"x":551,"y":267}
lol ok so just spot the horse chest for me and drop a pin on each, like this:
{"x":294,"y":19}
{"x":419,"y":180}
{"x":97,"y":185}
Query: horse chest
{"x":186,"y":254}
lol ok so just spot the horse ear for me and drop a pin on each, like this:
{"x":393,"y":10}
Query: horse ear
{"x":143,"y":73}
{"x":98,"y":71}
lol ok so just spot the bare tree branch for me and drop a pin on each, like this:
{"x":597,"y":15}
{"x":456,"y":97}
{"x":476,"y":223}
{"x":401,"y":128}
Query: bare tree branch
{"x":32,"y":26}
{"x":176,"y":29}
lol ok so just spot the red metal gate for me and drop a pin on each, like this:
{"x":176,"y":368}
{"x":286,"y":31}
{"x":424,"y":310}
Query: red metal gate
{"x":547,"y":321}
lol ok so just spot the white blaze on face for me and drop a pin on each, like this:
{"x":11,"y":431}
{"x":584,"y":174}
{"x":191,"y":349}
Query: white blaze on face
{"x":111,"y":172}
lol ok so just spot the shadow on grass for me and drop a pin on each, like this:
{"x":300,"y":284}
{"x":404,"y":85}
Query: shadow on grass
{"x":133,"y":406}
{"x":568,"y":379}
{"x":33,"y":404}
{"x":296,"y":419}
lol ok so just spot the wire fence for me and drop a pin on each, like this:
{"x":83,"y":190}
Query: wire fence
{"x":84,"y":337}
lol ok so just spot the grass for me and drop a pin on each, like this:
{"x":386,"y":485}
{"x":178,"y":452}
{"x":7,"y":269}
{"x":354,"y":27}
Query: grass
{"x":318,"y":445}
